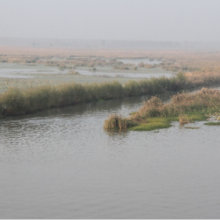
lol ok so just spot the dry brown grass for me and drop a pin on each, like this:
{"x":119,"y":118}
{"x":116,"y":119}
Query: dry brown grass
{"x":199,"y":69}
{"x":203,"y":78}
{"x":186,"y":61}
{"x":184,"y":119}
{"x":115,"y":121}
{"x":66,"y":52}
{"x":179,"y":104}
{"x":155,"y":114}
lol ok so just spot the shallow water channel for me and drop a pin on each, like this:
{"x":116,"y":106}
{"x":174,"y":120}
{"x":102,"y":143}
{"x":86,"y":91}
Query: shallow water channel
{"x":63,"y":164}
{"x":139,"y":60}
{"x":127,"y":75}
{"x":16,"y":71}
{"x":12,"y":70}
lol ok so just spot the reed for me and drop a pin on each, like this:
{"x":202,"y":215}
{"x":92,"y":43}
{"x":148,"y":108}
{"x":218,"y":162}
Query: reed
{"x":184,"y":119}
{"x":185,"y":106}
{"x":116,"y":121}
{"x":180,"y":103}
{"x":23,"y":101}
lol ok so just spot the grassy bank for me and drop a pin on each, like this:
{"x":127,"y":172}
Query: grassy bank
{"x":184,"y":107}
{"x":24,"y":101}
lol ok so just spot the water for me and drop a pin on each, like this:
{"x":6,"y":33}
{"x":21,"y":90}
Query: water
{"x":11,"y":70}
{"x":13,"y":76}
{"x":127,"y":75}
{"x":62,"y":164}
{"x":139,"y":60}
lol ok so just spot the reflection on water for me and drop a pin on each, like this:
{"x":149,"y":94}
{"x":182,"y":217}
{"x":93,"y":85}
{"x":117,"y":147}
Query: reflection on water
{"x":63,"y":164}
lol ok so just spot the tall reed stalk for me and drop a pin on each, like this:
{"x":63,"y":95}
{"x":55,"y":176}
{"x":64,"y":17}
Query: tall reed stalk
{"x":24,"y":101}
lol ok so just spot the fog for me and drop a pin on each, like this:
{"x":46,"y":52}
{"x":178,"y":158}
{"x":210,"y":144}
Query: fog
{"x":133,"y":20}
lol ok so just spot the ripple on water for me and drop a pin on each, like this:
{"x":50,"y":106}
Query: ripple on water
{"x":62,"y":164}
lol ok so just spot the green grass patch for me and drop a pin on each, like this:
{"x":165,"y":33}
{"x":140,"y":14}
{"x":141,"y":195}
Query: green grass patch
{"x":213,"y":123}
{"x":153,"y":124}
{"x":165,"y":122}
{"x":197,"y":116}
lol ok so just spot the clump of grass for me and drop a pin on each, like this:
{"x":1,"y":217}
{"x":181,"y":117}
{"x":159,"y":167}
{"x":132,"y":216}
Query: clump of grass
{"x":116,"y":122}
{"x":180,"y":104}
{"x":183,"y":119}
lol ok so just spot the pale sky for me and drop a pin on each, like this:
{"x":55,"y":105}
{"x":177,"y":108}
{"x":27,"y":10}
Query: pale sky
{"x":155,"y":20}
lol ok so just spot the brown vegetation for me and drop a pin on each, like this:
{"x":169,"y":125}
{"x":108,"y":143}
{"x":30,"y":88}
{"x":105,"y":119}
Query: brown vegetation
{"x":116,"y":121}
{"x":179,"y":104}
{"x":184,"y":119}
{"x":185,"y":61}
{"x":182,"y":104}
{"x":198,"y":69}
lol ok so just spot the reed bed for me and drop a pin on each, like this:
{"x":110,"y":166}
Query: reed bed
{"x":23,"y":101}
{"x":116,"y":121}
{"x":180,"y":103}
{"x":204,"y":70}
{"x":184,"y":106}
{"x":184,"y":119}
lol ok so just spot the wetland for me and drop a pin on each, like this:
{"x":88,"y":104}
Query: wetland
{"x":60,"y":162}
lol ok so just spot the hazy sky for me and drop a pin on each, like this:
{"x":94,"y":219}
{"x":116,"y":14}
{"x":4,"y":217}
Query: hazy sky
{"x":156,"y":20}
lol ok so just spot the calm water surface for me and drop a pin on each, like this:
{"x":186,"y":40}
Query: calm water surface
{"x":8,"y":70}
{"x":62,"y":164}
{"x":12,"y":70}
{"x":139,"y":60}
{"x":129,"y":75}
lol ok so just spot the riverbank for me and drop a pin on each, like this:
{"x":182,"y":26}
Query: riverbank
{"x":184,"y":107}
{"x":24,"y":101}
{"x":42,"y":145}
